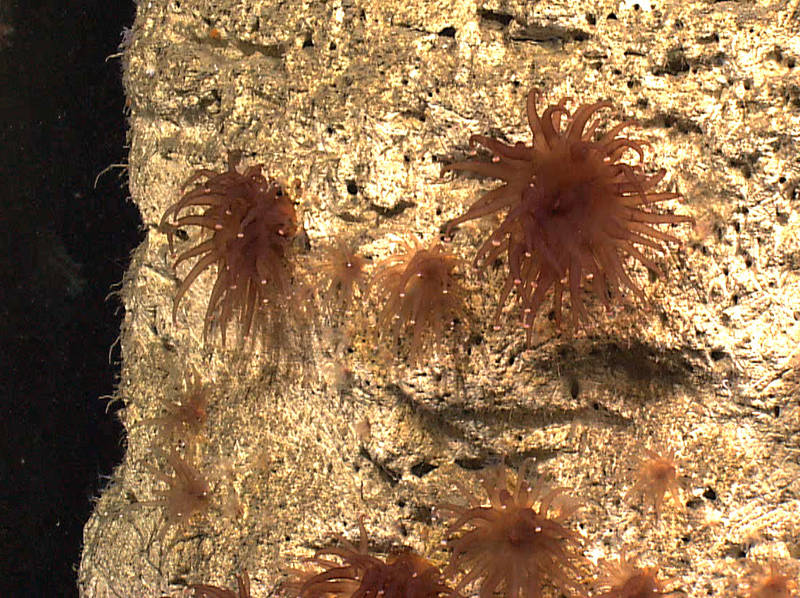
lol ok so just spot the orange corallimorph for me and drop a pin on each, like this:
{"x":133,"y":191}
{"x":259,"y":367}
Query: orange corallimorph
{"x":207,"y":591}
{"x":421,"y":293}
{"x":343,"y":276}
{"x":657,"y":475}
{"x":778,"y":583}
{"x":518,"y":543}
{"x":623,"y":579}
{"x":350,"y":571}
{"x":183,"y":420}
{"x":188,"y":492}
{"x":573,"y":210}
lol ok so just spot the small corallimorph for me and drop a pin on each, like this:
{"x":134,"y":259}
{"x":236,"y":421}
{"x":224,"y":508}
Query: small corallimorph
{"x":344,"y":277}
{"x":421,"y":293}
{"x":356,"y":574}
{"x":623,"y":579}
{"x":188,"y":491}
{"x":183,"y":421}
{"x":249,"y":222}
{"x":518,"y":543}
{"x":208,"y":591}
{"x":657,"y":475}
{"x":573,"y":210}
{"x":778,"y":583}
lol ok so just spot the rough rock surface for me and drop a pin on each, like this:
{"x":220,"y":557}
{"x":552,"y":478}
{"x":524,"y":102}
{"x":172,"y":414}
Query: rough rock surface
{"x":363,"y":101}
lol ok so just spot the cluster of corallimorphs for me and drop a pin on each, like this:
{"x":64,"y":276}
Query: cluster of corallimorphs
{"x":572,"y":211}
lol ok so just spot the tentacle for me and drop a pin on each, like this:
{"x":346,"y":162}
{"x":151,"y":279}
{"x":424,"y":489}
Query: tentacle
{"x":581,"y":116}
{"x":518,"y":151}
{"x":184,"y":286}
{"x":539,"y":138}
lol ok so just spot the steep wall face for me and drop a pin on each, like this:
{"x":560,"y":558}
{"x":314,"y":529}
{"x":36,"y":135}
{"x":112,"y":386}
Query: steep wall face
{"x":363,"y":103}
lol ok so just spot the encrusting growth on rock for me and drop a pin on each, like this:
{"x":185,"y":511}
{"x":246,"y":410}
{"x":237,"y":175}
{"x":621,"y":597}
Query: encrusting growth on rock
{"x":577,"y":213}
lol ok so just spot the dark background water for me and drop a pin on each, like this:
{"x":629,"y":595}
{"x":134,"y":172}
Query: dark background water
{"x":64,"y":243}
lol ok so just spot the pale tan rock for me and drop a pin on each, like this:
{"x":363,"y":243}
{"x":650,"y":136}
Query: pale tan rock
{"x":363,"y":101}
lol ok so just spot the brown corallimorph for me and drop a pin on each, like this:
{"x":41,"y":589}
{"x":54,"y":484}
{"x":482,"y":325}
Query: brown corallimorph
{"x":623,"y":579}
{"x":573,"y":210}
{"x":249,"y":223}
{"x":344,"y":277}
{"x":349,"y":571}
{"x":208,"y":591}
{"x":778,"y":583}
{"x":183,"y":420}
{"x":188,"y":491}
{"x":517,"y":544}
{"x":421,"y":294}
{"x":657,"y":476}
